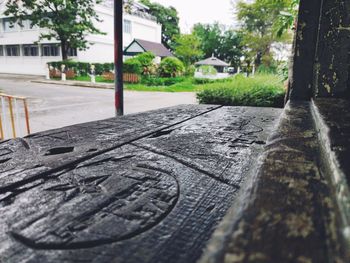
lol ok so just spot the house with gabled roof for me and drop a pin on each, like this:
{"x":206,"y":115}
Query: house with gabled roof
{"x":140,"y":46}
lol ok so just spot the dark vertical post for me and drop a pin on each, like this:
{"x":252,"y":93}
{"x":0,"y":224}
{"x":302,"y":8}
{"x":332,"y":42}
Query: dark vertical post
{"x":303,"y":58}
{"x":118,"y":56}
{"x":332,"y":54}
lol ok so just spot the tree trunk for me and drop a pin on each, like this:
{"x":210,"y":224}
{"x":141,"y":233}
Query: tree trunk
{"x":64,"y":50}
{"x":258,"y":59}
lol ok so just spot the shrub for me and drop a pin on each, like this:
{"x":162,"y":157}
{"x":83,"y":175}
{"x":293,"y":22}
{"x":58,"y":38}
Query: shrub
{"x":156,"y":81}
{"x":190,"y":70}
{"x":132,"y":65}
{"x":171,"y":67}
{"x":208,"y":81}
{"x":283,"y":70}
{"x":146,"y":59}
{"x":262,"y":69}
{"x":259,"y":91}
{"x":83,"y":68}
{"x":208,"y":70}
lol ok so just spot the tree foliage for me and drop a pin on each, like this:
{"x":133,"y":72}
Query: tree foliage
{"x":171,"y":67}
{"x":210,"y":36}
{"x":132,"y":65}
{"x":168,"y":18}
{"x":66,"y":20}
{"x":287,"y":18}
{"x":259,"y":21}
{"x":188,"y":48}
{"x":226,"y":44}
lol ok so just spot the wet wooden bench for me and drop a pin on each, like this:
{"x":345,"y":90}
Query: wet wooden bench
{"x":148,"y":187}
{"x":181,"y":184}
{"x":196,"y":183}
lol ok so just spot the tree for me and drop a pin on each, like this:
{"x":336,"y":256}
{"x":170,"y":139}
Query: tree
{"x":168,"y":18}
{"x":258,"y":24}
{"x":224,"y":44}
{"x":210,"y":36}
{"x":287,"y":18}
{"x":188,"y":48}
{"x":68,"y":21}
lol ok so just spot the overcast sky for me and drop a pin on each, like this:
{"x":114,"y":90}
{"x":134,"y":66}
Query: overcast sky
{"x":201,"y":11}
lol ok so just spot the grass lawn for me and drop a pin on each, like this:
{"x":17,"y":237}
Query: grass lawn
{"x":98,"y":79}
{"x":265,"y":90}
{"x":186,"y":86}
{"x":261,"y":90}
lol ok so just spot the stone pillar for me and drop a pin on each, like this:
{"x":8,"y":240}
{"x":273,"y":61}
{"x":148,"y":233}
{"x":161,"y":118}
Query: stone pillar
{"x":48,"y":68}
{"x":63,"y":72}
{"x":92,"y":75}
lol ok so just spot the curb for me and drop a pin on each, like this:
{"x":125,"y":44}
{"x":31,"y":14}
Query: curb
{"x":75,"y":84}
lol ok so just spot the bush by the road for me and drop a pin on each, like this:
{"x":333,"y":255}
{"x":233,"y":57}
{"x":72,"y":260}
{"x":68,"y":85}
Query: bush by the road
{"x":171,"y":67}
{"x":133,"y":66}
{"x":157,"y":81}
{"x":82,"y":68}
{"x":259,"y":91}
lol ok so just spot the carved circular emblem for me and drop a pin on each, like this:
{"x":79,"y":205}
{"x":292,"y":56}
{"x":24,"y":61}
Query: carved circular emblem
{"x":99,"y":203}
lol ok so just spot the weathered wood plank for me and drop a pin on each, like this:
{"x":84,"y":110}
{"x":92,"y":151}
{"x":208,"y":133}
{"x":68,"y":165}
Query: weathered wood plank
{"x":155,"y":199}
{"x":303,"y":58}
{"x":333,"y":125}
{"x":38,"y":154}
{"x":332,"y":64}
{"x":289,"y":214}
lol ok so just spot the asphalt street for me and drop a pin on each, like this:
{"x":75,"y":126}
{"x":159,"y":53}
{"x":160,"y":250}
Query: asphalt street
{"x":55,"y":106}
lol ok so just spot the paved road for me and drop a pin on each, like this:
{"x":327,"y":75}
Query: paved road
{"x":55,"y":106}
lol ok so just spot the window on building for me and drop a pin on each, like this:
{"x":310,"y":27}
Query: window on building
{"x":30,"y":50}
{"x":12,"y":51}
{"x":127,"y":26}
{"x":50,"y":50}
{"x":1,"y":51}
{"x":8,"y":26}
{"x":26,"y":25}
{"x":72,"y":52}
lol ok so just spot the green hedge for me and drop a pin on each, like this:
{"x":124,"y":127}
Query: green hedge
{"x":133,"y":66}
{"x":82,"y":68}
{"x":258,"y":91}
{"x":157,"y":81}
{"x":208,"y":81}
{"x":171,"y":67}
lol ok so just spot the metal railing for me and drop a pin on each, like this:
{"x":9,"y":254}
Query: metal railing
{"x":13,"y":109}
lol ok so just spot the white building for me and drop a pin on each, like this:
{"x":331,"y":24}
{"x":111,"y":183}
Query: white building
{"x":19,"y":54}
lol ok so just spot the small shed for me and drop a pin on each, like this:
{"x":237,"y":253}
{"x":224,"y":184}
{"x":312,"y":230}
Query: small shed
{"x":140,"y":46}
{"x":219,"y":65}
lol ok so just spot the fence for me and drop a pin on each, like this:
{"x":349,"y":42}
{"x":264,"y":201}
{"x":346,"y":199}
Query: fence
{"x":131,"y":78}
{"x":14,"y":117}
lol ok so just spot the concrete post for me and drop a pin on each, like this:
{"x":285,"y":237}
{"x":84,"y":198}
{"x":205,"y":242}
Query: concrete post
{"x":63,"y":74}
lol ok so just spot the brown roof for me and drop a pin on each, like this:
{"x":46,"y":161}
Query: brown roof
{"x":157,"y":49}
{"x":213,"y":61}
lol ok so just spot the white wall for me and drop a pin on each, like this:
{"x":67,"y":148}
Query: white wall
{"x":24,"y":65}
{"x":142,"y":29}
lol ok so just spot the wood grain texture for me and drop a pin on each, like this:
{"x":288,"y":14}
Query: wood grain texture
{"x":144,"y":188}
{"x":304,"y":48}
{"x":332,"y":64}
{"x":289,"y":213}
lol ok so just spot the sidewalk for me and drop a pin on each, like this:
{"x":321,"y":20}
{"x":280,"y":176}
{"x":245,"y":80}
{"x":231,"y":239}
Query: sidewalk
{"x":75,"y":83}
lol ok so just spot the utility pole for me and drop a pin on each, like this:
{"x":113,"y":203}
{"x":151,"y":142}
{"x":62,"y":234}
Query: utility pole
{"x":118,"y":57}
